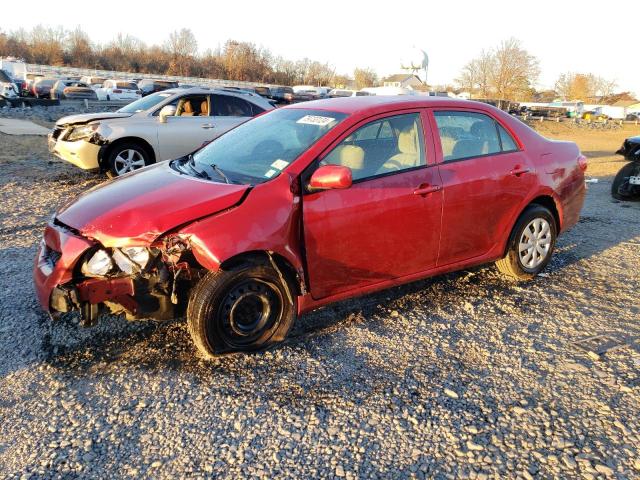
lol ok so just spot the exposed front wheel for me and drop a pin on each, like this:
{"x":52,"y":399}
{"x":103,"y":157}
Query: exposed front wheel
{"x":245,"y":309}
{"x":126,"y":158}
{"x":530,"y":245}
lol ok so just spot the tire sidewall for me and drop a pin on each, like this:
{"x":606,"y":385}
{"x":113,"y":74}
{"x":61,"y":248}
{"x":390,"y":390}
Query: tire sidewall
{"x":527,"y":216}
{"x":212,"y":292}
{"x":625,"y":171}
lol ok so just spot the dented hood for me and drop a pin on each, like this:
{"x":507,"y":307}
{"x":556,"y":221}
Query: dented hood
{"x":90,"y":117}
{"x":136,"y":208}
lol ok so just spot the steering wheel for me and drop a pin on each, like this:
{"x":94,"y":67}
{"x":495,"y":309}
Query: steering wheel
{"x":272,"y":148}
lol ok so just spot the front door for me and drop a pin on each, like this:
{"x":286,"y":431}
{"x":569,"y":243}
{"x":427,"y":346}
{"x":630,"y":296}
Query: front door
{"x":188,"y":130}
{"x":387,"y":224}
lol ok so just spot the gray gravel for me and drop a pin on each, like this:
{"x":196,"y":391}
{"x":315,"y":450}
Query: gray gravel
{"x":462,"y":376}
{"x":52,"y":113}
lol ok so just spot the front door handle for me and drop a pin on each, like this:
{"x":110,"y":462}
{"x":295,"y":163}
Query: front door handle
{"x":426,"y":189}
{"x":517,"y":171}
{"x":208,"y":125}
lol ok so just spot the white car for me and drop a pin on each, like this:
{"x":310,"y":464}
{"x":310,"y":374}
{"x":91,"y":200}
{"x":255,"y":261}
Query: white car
{"x":93,"y":82}
{"x":161,"y":126}
{"x":343,"y":92}
{"x":119,"y":90}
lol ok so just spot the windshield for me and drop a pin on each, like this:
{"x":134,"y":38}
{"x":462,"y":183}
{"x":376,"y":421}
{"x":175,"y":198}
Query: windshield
{"x":260,"y":149}
{"x":145,"y":103}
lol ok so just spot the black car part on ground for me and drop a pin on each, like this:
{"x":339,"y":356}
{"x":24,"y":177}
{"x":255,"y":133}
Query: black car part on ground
{"x":626,"y":184}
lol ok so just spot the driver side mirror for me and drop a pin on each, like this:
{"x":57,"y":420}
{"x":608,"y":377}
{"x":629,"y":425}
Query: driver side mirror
{"x":167,"y":111}
{"x":329,"y":177}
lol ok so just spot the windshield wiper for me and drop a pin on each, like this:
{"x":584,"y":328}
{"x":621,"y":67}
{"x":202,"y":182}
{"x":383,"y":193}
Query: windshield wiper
{"x":220,"y":172}
{"x":198,"y":173}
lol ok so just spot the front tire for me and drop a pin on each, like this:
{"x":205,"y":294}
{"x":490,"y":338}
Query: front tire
{"x":530,"y":245}
{"x":620,"y":188}
{"x":125,"y":158}
{"x":245,"y":309}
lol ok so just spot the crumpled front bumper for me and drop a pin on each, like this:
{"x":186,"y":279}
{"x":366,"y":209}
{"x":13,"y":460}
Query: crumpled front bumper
{"x":81,"y":153}
{"x":56,"y":258}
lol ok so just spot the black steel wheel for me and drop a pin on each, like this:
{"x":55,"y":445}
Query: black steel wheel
{"x":245,"y":309}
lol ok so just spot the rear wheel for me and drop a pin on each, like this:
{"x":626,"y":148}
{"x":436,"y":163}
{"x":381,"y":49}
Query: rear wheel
{"x":245,"y":309}
{"x":621,"y":189}
{"x":530,"y":245}
{"x":125,"y":158}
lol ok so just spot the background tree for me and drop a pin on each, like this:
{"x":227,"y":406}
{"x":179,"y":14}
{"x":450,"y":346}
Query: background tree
{"x":507,"y":72}
{"x":364,"y":77}
{"x":585,"y":87}
{"x":182,"y":47}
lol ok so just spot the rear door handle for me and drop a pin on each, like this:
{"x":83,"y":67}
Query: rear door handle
{"x":426,"y":189}
{"x":519,"y":171}
{"x":208,"y":125}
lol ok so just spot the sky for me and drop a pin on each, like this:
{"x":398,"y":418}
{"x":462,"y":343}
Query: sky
{"x":565,"y":35}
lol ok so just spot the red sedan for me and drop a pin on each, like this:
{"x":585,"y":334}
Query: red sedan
{"x":307,"y":205}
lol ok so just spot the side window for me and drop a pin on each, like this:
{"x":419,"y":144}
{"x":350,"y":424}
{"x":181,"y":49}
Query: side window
{"x":193,"y":106}
{"x":228,"y":106}
{"x":508,"y":144}
{"x":383,"y":146}
{"x":466,"y":134}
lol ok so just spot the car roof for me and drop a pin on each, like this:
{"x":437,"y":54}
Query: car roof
{"x":375,"y":103}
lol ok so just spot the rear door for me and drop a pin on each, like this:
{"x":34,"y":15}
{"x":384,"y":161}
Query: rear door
{"x":387,"y":224}
{"x":485,"y":179}
{"x":228,"y":112}
{"x":188,"y":130}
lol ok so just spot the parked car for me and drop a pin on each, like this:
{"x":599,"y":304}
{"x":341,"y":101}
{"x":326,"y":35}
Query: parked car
{"x":30,"y":79}
{"x":8,"y":88}
{"x":72,"y":90}
{"x":342,"y":92}
{"x":149,"y":86}
{"x":42,"y":87}
{"x":157,"y":127}
{"x":264,"y":92}
{"x":93,"y":82}
{"x":282,"y":94}
{"x":118,"y":90}
{"x":632,"y":117}
{"x":310,"y":204}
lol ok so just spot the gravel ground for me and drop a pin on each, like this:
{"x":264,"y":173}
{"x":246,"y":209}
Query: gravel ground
{"x":461,"y":376}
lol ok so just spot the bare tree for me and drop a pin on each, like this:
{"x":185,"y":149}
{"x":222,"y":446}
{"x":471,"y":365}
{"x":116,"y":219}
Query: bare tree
{"x":585,"y":87}
{"x":364,"y":77}
{"x":182,"y":47}
{"x":516,"y":71}
{"x":477,"y":75}
{"x":507,"y":72}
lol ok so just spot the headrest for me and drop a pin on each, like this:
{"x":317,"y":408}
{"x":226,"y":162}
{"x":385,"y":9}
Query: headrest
{"x":408,"y":141}
{"x":348,"y":156}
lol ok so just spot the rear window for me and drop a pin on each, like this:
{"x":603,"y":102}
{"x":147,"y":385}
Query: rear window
{"x":127,"y":85}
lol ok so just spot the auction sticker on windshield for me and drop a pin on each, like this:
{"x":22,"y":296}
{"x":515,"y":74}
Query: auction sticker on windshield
{"x":316,"y":120}
{"x":280,"y":164}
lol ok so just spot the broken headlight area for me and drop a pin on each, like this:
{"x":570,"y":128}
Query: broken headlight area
{"x":139,"y":282}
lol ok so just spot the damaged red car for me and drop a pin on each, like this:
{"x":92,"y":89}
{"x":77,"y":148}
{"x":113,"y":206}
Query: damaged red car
{"x":310,"y":204}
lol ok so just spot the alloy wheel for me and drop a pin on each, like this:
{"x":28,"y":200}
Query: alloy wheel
{"x":127,"y":161}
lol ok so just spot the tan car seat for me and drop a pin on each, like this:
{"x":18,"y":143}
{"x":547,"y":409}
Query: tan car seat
{"x":448,"y":144}
{"x":409,"y":156}
{"x":204,"y":109}
{"x":187,"y":109}
{"x":349,"y":156}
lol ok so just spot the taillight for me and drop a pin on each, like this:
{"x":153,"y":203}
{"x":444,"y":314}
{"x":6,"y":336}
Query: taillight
{"x":582,"y":162}
{"x":117,"y":91}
